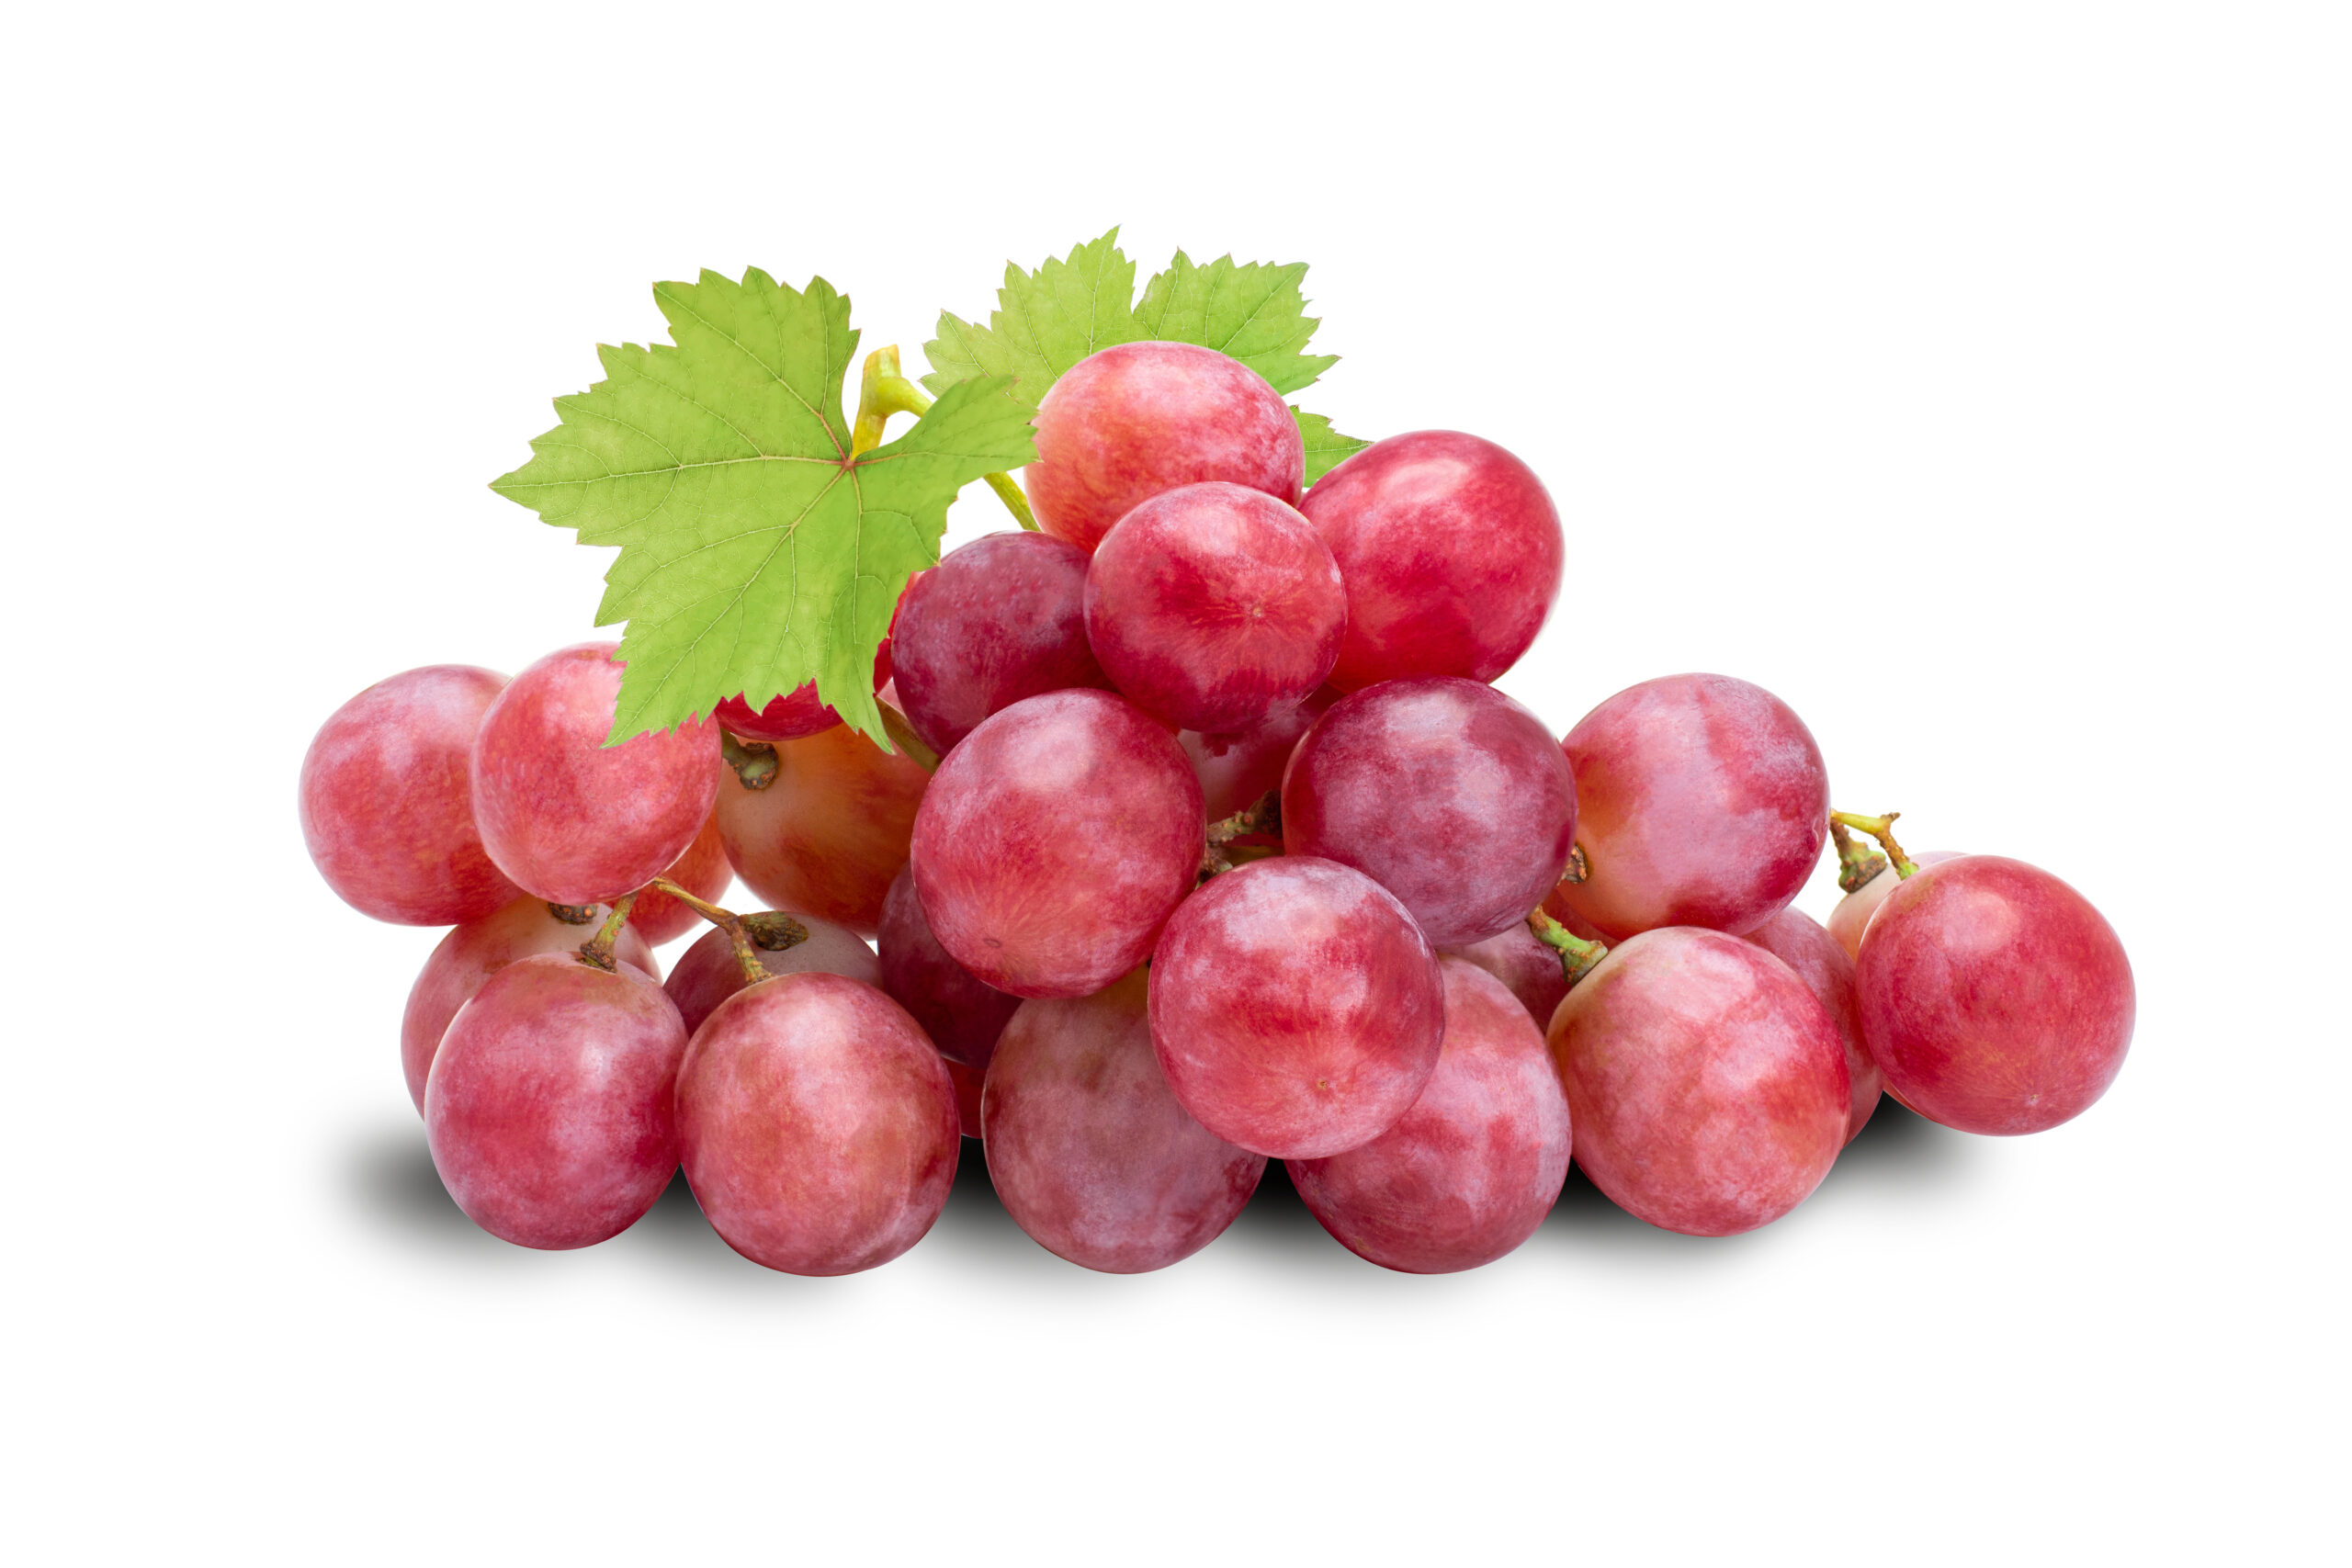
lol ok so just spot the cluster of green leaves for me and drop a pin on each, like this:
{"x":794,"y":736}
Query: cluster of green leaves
{"x":1048,"y":319}
{"x":758,"y":550}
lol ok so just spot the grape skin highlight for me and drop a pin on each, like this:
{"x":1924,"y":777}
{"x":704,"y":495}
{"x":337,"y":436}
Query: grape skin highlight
{"x":1993,"y":995}
{"x":817,"y":1125}
{"x":1443,"y":791}
{"x":1701,"y":800}
{"x":1129,"y":421}
{"x":548,"y":1107}
{"x":1296,"y":1007}
{"x":997,"y":620}
{"x":1088,"y":1150}
{"x":568,"y":817}
{"x":1474,"y":1166}
{"x":1054,"y":843}
{"x":387,"y":800}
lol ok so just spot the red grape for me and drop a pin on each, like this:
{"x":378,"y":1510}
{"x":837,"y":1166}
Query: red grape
{"x":709,"y":972}
{"x":1452,"y":552}
{"x":386,"y":804}
{"x":1477,"y":1162}
{"x":968,"y":1082}
{"x":1088,"y":1150}
{"x":1530,"y":971}
{"x":796,"y":713}
{"x":1129,"y":421}
{"x":1445,"y":792}
{"x":1797,"y":939}
{"x":1213,"y":606}
{"x":549,"y":1108}
{"x":999,"y":619}
{"x":568,"y":817}
{"x":1296,"y":1007}
{"x":817,"y":1125}
{"x":961,"y":1013}
{"x":1054,"y":843}
{"x":702,"y":871}
{"x":1708,"y":1086}
{"x":1852,"y":915}
{"x":1238,"y":770}
{"x":1702,"y":801}
{"x":830,"y":831}
{"x":472,"y":954}
{"x":1995,"y":997}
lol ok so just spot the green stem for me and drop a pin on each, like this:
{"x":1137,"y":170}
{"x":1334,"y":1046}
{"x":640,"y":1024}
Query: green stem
{"x":727,"y":920}
{"x":1856,"y":865}
{"x":1577,"y":956}
{"x":754,"y":761}
{"x":903,"y":737}
{"x":597,"y":951}
{"x":1879,"y":828}
{"x":883,"y":391}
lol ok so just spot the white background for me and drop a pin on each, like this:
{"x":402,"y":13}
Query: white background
{"x":1977,"y":382}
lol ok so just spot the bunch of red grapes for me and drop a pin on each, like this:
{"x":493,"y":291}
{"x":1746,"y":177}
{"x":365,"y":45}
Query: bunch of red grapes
{"x":1209,"y":843}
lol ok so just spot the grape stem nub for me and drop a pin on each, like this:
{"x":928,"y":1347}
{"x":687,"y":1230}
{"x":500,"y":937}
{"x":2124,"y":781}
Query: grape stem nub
{"x":1856,"y":865}
{"x":754,"y":760}
{"x":1879,"y":828}
{"x":1577,"y":956}
{"x":1255,"y":831}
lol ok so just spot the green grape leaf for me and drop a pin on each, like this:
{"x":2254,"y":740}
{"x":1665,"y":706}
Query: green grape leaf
{"x":1255,"y":314}
{"x":755,"y":553}
{"x":1044,"y":322}
{"x":1326,"y":447}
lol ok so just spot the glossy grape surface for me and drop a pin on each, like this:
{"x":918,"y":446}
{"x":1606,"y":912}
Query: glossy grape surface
{"x":565,"y":817}
{"x":1445,"y":792}
{"x":1701,"y":800}
{"x":817,"y":1125}
{"x":387,"y":803}
{"x":708,"y":973}
{"x":1995,"y":999}
{"x":1122,"y":424}
{"x":1296,"y":1007}
{"x":548,"y":1108}
{"x":1088,"y":1150}
{"x":830,"y":831}
{"x":997,"y":620}
{"x":702,"y":871}
{"x":1238,"y":770}
{"x":1852,"y":915}
{"x":961,"y":1013}
{"x":1215,"y":606}
{"x":1797,"y":939}
{"x":1474,"y":1166}
{"x":798,"y":713}
{"x":1452,"y":553}
{"x":465,"y":960}
{"x":1707,"y":1085}
{"x":1055,"y":841}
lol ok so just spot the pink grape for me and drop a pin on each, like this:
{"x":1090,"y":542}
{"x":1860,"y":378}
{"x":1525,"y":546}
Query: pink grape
{"x":830,"y":831}
{"x":1090,"y":1152}
{"x":568,"y":817}
{"x":1702,"y":801}
{"x":997,"y":620}
{"x":1707,"y":1085}
{"x":1995,"y":997}
{"x":549,"y":1108}
{"x":817,"y":1125}
{"x":1213,"y":606}
{"x":1124,"y":424}
{"x":387,"y":803}
{"x":1477,"y":1162}
{"x":702,"y":871}
{"x":796,"y":713}
{"x":1452,"y":552}
{"x":1443,"y":791}
{"x":1797,"y":939}
{"x":1296,"y":1007}
{"x":961,"y":1013}
{"x":466,"y":959}
{"x":1852,"y":915}
{"x":1238,"y":770}
{"x":1530,"y":971}
{"x":708,"y":973}
{"x":1055,"y":841}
